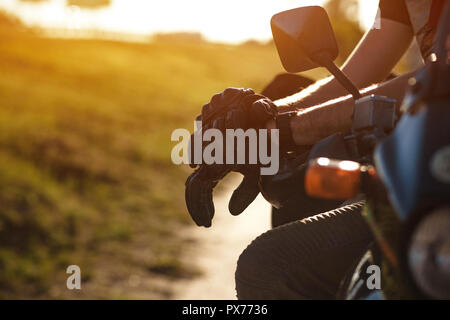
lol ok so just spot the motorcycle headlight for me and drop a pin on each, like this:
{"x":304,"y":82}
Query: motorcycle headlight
{"x":429,"y":254}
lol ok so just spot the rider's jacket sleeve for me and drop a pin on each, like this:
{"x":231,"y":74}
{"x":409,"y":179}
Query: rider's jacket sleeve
{"x":422,"y":15}
{"x":395,"y":10}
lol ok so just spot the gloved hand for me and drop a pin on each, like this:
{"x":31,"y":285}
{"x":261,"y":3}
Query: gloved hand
{"x":231,"y":109}
{"x":238,"y":108}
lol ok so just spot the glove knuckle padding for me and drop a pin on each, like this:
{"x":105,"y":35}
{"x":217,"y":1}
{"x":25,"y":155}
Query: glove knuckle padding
{"x":249,"y":99}
{"x":231,"y":91}
{"x":216,"y":100}
{"x":206,"y":111}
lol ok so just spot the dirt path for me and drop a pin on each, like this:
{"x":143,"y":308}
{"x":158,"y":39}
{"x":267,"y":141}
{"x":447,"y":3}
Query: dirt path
{"x":219,"y":247}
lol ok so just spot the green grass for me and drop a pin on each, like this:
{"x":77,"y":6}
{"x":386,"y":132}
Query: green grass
{"x":85,"y":170}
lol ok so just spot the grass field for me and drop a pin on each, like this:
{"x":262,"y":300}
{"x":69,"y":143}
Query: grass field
{"x":85,"y":170}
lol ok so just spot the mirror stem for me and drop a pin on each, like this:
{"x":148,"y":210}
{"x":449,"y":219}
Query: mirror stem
{"x":324,"y":60}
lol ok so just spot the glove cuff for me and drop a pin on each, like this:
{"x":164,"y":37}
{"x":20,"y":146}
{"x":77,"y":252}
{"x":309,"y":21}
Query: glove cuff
{"x":283,"y":123}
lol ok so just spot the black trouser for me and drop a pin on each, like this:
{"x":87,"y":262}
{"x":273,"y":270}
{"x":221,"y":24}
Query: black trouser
{"x":305,"y":259}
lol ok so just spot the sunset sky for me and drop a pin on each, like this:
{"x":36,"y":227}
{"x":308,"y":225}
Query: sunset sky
{"x":225,"y":21}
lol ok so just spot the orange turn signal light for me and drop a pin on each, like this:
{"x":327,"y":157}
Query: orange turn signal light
{"x":333,"y":179}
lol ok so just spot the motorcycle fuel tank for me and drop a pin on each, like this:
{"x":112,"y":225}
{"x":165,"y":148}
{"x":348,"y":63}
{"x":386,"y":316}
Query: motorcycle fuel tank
{"x":414,"y":161}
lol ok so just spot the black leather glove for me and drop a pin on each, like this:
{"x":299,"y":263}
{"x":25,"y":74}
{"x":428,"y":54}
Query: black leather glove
{"x":238,"y":108}
{"x":198,"y":193}
{"x":231,"y":109}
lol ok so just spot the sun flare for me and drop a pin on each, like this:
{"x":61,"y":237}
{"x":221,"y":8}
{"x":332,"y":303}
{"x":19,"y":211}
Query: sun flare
{"x":230,"y":21}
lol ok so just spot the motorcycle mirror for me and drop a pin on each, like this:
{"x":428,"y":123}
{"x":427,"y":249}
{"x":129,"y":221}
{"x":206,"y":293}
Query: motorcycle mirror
{"x":301,"y":35}
{"x":305,"y":40}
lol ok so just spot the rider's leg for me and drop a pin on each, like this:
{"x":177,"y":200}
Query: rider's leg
{"x":303,"y":207}
{"x":304,"y":259}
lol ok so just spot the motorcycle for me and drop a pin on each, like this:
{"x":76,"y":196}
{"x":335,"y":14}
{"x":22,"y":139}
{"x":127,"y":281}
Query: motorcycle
{"x":397,"y":159}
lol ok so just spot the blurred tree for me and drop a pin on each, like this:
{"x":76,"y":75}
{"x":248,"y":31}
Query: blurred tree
{"x":33,"y":0}
{"x":191,"y":37}
{"x":89,"y":4}
{"x":343,"y":15}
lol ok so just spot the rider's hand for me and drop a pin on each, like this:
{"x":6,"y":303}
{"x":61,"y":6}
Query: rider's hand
{"x":238,"y":108}
{"x":231,"y":109}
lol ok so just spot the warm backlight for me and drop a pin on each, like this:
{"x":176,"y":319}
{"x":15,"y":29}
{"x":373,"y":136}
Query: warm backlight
{"x":333,"y":179}
{"x":231,"y":21}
